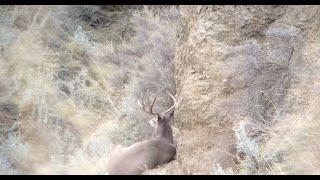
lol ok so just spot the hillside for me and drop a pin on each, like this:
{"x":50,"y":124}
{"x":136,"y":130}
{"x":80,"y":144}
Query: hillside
{"x":245,"y":79}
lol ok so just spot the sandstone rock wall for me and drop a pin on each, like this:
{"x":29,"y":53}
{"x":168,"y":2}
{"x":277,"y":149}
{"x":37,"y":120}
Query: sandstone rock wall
{"x":241,"y":62}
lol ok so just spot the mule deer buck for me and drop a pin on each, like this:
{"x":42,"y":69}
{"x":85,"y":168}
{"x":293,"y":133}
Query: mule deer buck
{"x":147,"y":154}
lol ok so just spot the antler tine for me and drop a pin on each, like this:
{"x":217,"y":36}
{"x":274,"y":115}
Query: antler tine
{"x":148,"y":108}
{"x":140,"y":104}
{"x":154,"y":100}
{"x":151,"y":104}
{"x":148,"y":98}
{"x":174,"y":104}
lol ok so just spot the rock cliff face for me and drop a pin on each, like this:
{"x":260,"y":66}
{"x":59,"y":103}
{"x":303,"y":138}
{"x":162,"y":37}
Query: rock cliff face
{"x":236,"y":63}
{"x":225,"y":57}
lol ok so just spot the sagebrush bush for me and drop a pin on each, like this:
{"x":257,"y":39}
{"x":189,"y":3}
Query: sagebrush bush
{"x":73,"y":75}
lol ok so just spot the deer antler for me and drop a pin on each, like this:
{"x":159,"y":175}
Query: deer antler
{"x":148,"y":108}
{"x":174,"y":104}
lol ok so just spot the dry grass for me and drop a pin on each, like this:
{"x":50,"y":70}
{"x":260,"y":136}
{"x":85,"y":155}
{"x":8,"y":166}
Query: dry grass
{"x":290,"y":145}
{"x":293,"y":146}
{"x":70,"y":86}
{"x":70,"y":78}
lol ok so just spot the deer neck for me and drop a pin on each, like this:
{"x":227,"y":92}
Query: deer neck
{"x":164,"y":134}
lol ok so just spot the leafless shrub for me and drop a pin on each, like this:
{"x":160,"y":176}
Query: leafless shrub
{"x":72,"y":82}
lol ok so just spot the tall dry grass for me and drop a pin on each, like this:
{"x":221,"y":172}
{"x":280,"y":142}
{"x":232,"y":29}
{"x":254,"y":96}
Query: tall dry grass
{"x":70,"y":80}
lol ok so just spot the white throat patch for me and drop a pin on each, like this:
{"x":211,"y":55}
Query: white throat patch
{"x":152,"y":122}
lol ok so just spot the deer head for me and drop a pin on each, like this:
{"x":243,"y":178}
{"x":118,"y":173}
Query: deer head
{"x":160,"y":120}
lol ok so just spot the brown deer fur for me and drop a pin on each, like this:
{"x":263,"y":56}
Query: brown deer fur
{"x":148,"y":154}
